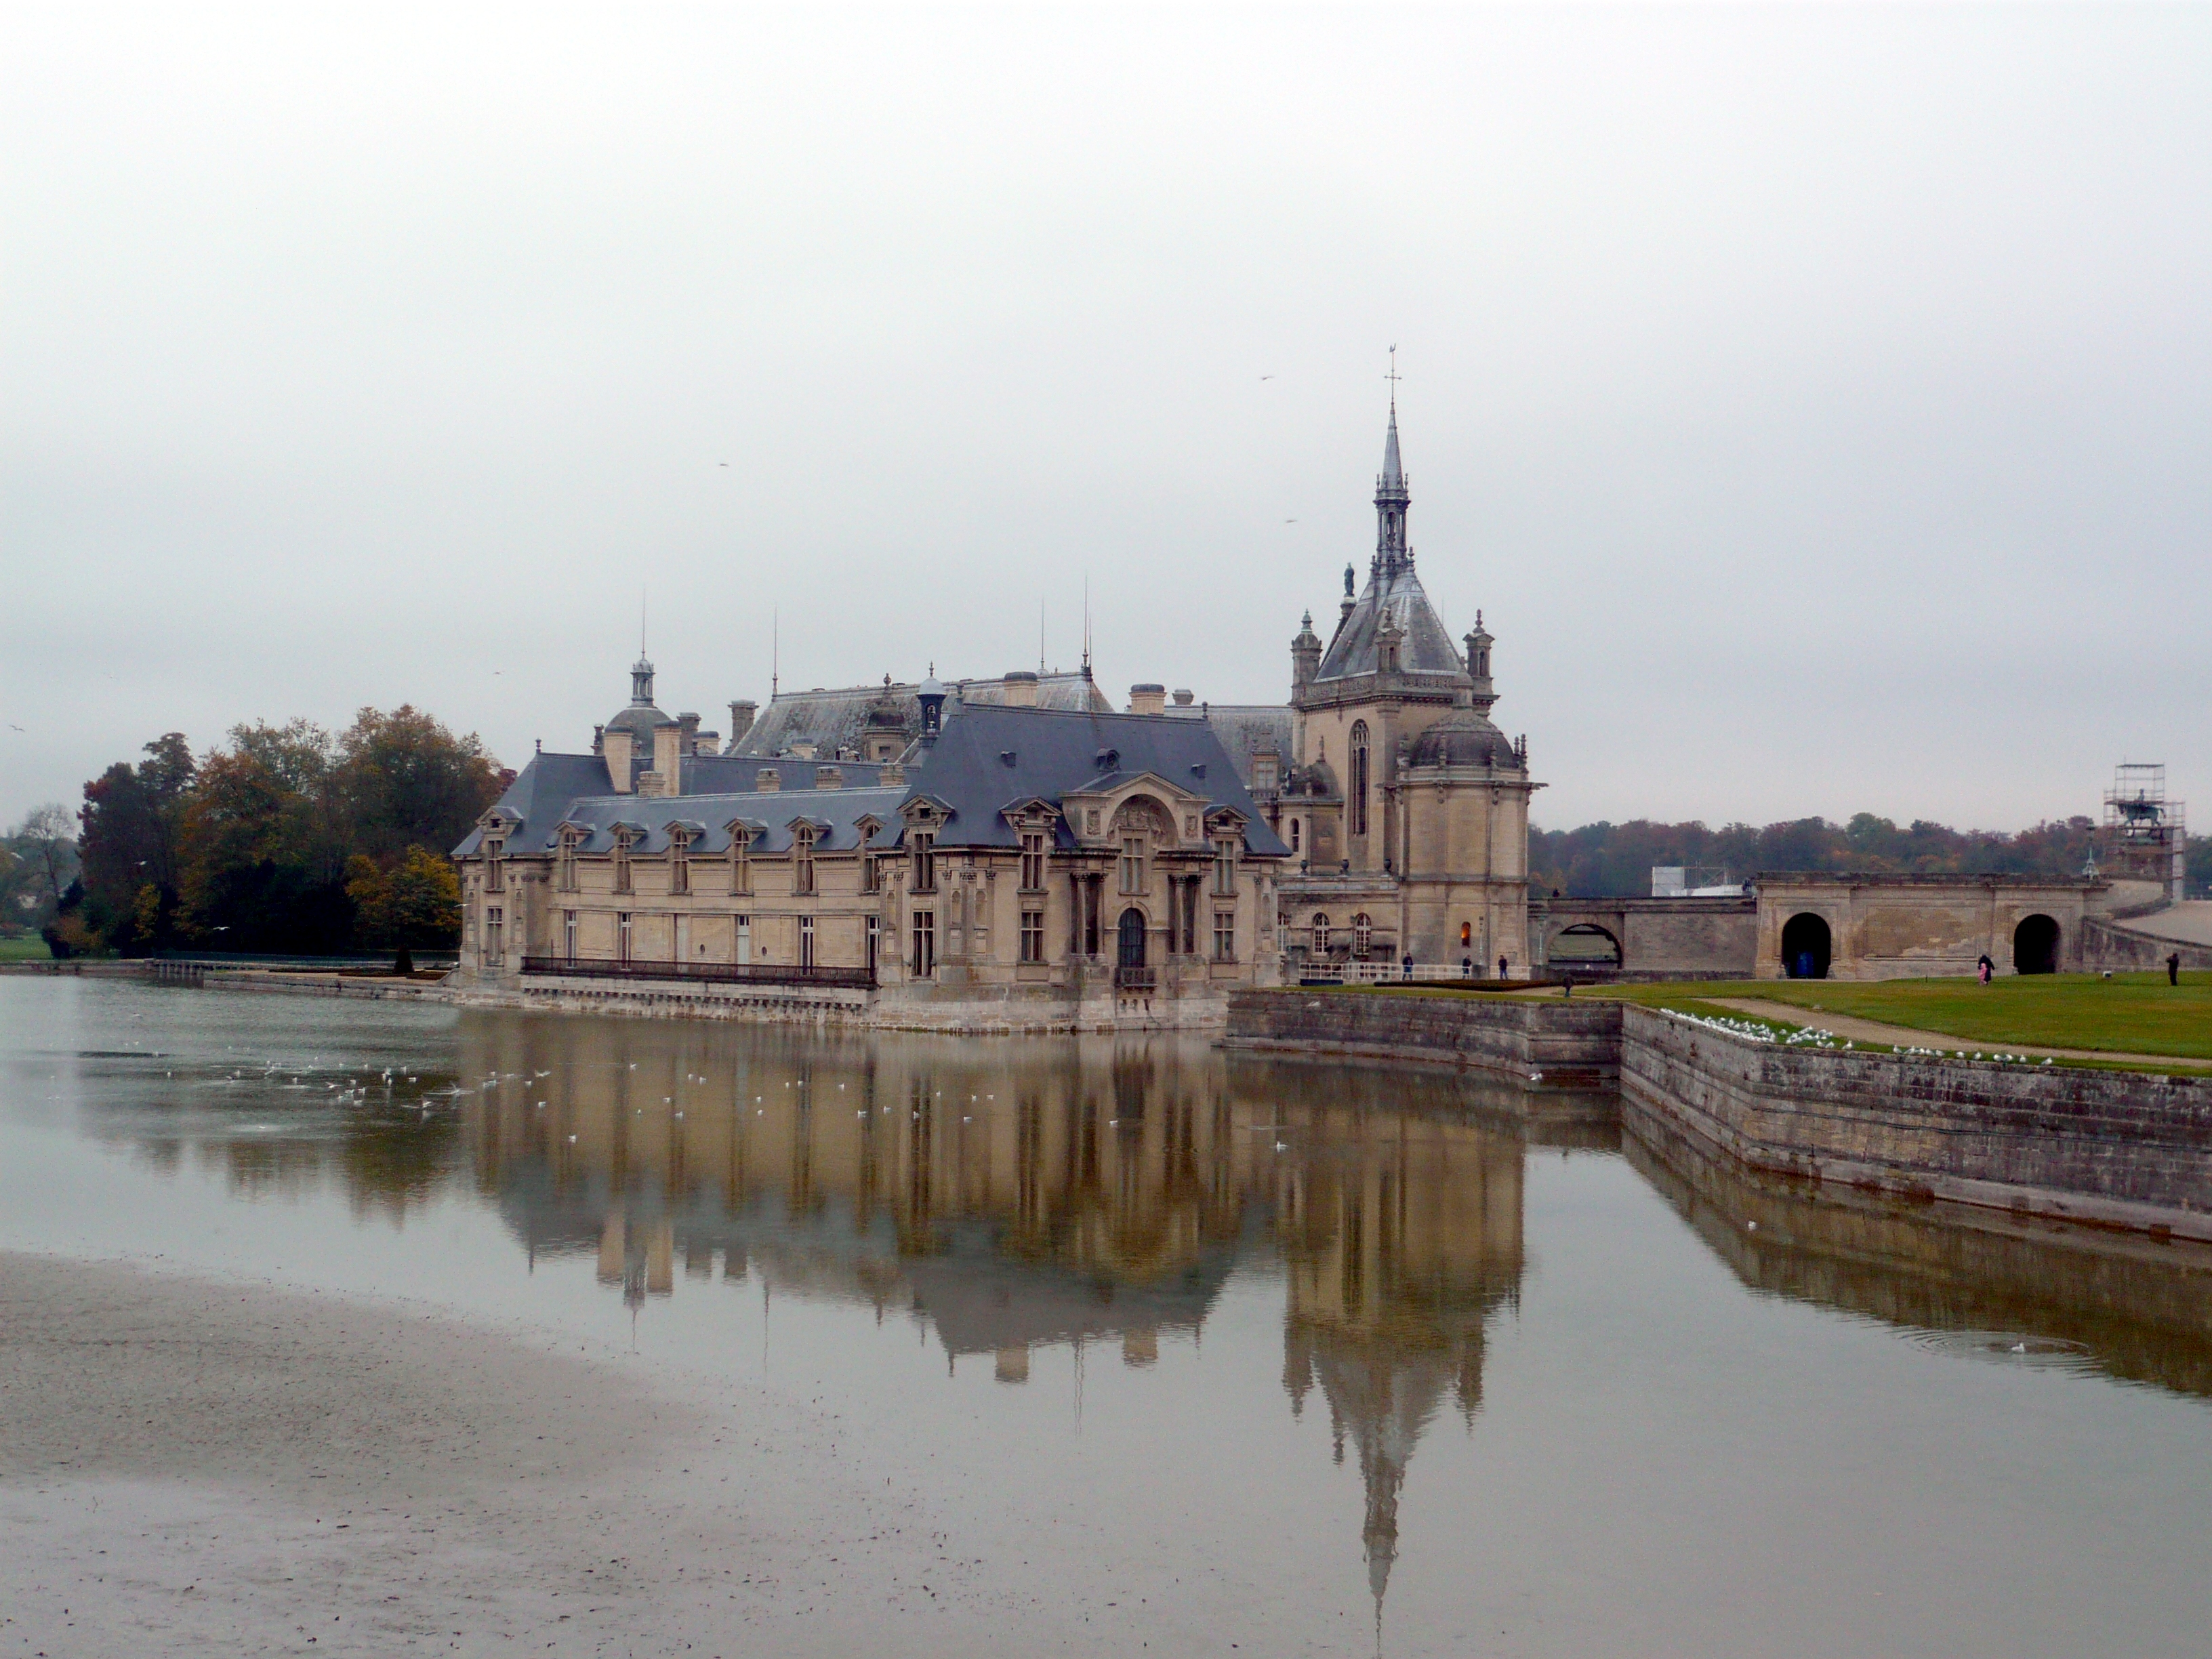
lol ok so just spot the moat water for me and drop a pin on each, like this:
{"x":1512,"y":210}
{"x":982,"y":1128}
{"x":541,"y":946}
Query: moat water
{"x":1345,"y":1356}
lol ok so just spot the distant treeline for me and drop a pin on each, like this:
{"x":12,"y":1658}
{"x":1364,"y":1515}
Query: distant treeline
{"x":1609,"y":861}
{"x":286,"y":839}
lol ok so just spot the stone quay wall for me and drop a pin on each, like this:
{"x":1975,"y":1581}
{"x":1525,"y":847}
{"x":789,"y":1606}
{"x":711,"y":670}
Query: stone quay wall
{"x":2123,"y":1148}
{"x":1567,"y":1044}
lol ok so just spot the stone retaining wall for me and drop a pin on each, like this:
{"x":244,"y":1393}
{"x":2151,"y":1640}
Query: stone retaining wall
{"x":1567,"y":1044}
{"x":2126,"y":1149}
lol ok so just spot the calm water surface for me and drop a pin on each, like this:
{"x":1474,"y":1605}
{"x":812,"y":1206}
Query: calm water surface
{"x":1347,"y":1357}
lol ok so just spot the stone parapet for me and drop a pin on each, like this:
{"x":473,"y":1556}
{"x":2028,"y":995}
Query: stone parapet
{"x":2122,"y":1149}
{"x":1549,"y":1044}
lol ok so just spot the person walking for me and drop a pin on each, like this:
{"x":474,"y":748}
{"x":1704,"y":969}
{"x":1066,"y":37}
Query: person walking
{"x":1984,"y":969}
{"x":2174,"y":968}
{"x":1502,"y":966}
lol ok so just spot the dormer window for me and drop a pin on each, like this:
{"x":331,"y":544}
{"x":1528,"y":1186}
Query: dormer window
{"x":622,"y":840}
{"x":741,"y":859}
{"x":1225,"y":868}
{"x":680,"y":860}
{"x":1033,"y":859}
{"x":495,"y":862}
{"x":802,"y":859}
{"x":565,"y":862}
{"x":1263,"y":775}
{"x":925,"y":861}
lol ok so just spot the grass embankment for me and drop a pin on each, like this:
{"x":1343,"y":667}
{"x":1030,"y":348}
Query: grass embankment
{"x":2126,"y":1014}
{"x":33,"y":949}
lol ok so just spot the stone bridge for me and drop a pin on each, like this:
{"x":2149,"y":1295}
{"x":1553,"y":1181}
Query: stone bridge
{"x":1653,"y":938}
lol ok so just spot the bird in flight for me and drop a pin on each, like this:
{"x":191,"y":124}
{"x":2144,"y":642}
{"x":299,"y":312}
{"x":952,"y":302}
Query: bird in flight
{"x":12,"y":726}
{"x":1290,"y":521}
{"x":721,"y":463}
{"x":1267,"y":377}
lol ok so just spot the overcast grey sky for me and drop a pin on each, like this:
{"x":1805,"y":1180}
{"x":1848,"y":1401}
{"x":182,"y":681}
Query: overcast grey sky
{"x":1818,"y":403}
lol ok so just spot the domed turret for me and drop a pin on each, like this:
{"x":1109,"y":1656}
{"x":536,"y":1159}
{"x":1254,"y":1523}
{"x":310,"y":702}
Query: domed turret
{"x":1463,"y":737}
{"x":642,"y":716}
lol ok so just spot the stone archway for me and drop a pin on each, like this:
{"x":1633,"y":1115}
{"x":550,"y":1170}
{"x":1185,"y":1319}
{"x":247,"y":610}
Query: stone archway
{"x":1582,"y":945}
{"x":1806,"y":946}
{"x":2035,"y":945}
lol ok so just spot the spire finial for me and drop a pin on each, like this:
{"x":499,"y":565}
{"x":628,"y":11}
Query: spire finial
{"x":1394,"y":377}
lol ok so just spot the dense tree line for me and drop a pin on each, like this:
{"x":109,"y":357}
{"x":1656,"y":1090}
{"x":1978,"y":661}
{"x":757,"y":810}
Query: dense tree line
{"x":1605,"y":861}
{"x":286,"y":838}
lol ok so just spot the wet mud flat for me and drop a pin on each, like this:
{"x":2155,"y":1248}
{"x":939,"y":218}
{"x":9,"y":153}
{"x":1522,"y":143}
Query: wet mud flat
{"x":193,"y":1466}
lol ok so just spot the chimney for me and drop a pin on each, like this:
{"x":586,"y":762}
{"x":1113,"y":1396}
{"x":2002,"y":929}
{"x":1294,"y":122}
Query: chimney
{"x":1182,"y":696}
{"x":804,"y":749}
{"x":828,"y":777}
{"x":598,"y":741}
{"x":893,"y":776}
{"x":1148,"y":699}
{"x":741,"y":719}
{"x":690,"y":724}
{"x":767,"y":781}
{"x":710,"y":743}
{"x":668,"y":758}
{"x":618,"y":744}
{"x":1021,"y":688}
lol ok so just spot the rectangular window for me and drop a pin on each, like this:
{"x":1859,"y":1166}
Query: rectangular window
{"x":622,"y":937}
{"x":1032,"y":936}
{"x":802,"y":861}
{"x":745,"y":926}
{"x":874,"y":936}
{"x":567,"y":873}
{"x":925,"y":861}
{"x":741,"y":860}
{"x":1263,"y":775}
{"x":495,"y":865}
{"x":679,"y":863}
{"x":806,"y":941}
{"x":495,"y":936}
{"x":924,"y":961}
{"x":1032,"y":860}
{"x":1225,"y":869}
{"x":872,"y":878}
{"x":568,"y":934}
{"x":1132,"y":864}
{"x":1224,"y":936}
{"x":621,"y":862}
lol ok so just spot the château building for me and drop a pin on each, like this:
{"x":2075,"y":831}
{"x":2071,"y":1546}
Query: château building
{"x":1014,"y":852}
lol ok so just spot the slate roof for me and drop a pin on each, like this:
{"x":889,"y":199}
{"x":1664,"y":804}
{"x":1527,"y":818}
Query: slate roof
{"x":538,"y":795}
{"x":553,"y":786}
{"x":838,"y":717}
{"x":1244,"y":729}
{"x":1395,"y":591}
{"x":968,"y":770}
{"x":834,"y":813}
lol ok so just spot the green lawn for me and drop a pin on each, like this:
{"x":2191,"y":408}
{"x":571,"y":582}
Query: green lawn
{"x":33,"y":949}
{"x":2127,"y":1013}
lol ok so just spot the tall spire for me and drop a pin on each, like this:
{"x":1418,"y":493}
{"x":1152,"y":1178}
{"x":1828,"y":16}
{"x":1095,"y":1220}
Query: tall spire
{"x":1391,"y":496}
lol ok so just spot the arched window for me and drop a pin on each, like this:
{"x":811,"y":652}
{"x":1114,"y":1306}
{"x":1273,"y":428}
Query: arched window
{"x":1358,"y":801}
{"x":1320,"y":934}
{"x":1294,"y":835}
{"x":1363,"y":935}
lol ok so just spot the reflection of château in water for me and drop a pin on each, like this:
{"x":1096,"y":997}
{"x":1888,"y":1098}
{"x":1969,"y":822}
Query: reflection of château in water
{"x":1400,"y":1247}
{"x":2132,"y":1309}
{"x":1070,"y":1191}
